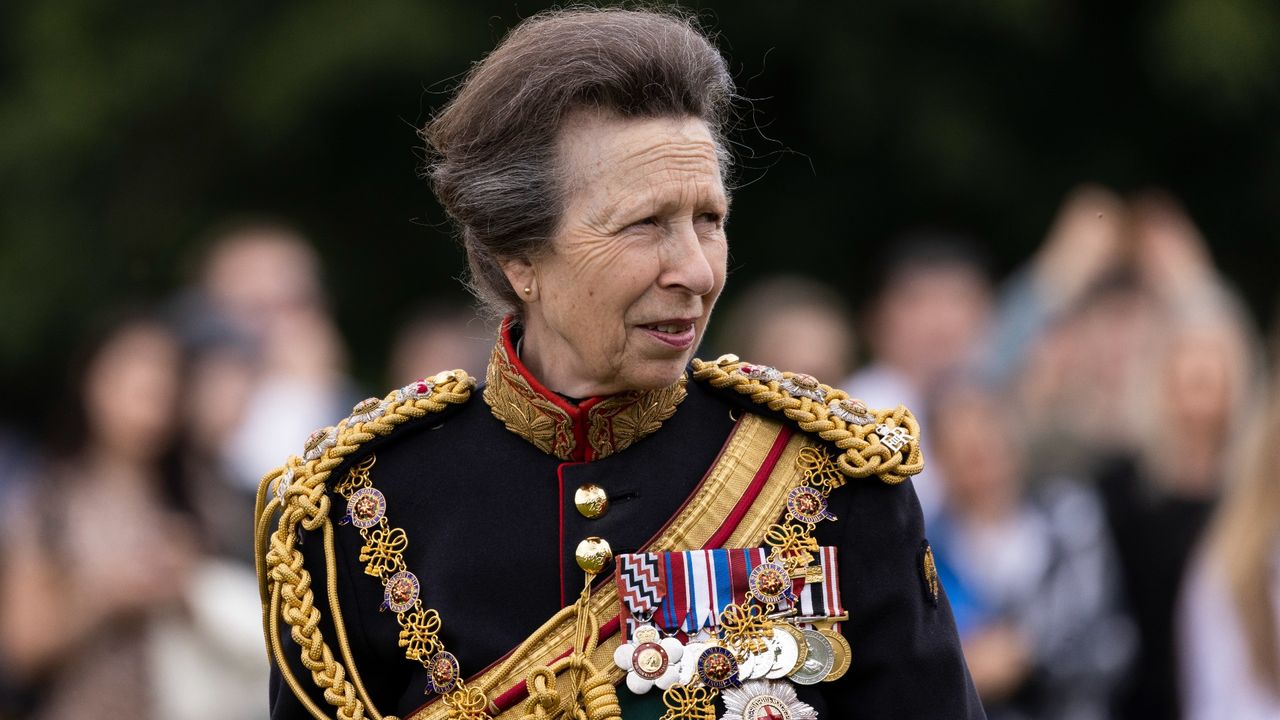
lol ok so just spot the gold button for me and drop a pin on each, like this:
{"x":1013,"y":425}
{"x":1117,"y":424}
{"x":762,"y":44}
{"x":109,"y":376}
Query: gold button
{"x":593,"y":554}
{"x":592,"y":501}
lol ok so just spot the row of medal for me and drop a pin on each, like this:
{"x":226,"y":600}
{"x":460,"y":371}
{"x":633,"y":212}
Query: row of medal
{"x":804,"y":655}
{"x":748,"y":643}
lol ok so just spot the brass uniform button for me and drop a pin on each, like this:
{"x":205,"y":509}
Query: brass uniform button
{"x":593,"y":554}
{"x":591,"y":500}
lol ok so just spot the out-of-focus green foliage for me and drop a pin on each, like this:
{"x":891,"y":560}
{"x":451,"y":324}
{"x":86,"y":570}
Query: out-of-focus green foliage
{"x":126,"y":129}
{"x":1224,"y":53}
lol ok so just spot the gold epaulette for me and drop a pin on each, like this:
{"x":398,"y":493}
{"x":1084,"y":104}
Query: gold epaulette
{"x":870,"y":442}
{"x":297,"y":492}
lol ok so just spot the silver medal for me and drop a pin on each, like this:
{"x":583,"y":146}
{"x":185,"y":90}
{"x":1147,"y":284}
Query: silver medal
{"x":818,"y":664}
{"x":785,"y":654}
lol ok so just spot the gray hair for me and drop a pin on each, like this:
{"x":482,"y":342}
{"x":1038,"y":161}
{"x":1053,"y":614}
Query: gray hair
{"x":492,"y":149}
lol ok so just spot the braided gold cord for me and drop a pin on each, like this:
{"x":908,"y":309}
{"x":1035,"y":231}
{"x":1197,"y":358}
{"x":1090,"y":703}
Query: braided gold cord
{"x":863,"y":454}
{"x":590,"y":695}
{"x":285,"y":584}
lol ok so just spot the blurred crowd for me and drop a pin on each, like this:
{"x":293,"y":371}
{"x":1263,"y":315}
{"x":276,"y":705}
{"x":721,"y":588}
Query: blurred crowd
{"x":127,"y":584}
{"x":1102,"y":482}
{"x":1102,"y":492}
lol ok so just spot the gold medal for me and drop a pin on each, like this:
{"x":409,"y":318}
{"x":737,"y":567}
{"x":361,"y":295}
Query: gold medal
{"x":843,"y":654}
{"x":649,"y":661}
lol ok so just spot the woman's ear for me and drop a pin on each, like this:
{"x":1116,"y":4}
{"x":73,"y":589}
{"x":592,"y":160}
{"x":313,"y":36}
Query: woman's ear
{"x":524,"y":280}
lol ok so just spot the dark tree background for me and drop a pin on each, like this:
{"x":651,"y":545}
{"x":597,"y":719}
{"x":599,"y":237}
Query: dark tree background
{"x":127,"y":129}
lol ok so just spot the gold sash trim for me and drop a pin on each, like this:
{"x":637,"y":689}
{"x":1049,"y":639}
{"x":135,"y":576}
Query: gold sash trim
{"x":698,"y":523}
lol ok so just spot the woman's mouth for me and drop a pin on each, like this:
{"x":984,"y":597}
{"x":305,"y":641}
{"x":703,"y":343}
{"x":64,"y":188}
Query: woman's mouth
{"x":678,"y":334}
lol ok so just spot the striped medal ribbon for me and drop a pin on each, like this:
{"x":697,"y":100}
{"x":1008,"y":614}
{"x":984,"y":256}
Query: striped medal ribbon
{"x":823,"y":599}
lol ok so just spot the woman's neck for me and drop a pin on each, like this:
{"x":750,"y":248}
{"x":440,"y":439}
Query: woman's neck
{"x":554,"y":366}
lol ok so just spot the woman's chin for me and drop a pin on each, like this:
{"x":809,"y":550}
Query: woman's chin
{"x":655,"y":374}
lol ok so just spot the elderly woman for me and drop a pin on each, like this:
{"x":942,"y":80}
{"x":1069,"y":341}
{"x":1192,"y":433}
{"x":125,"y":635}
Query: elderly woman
{"x":611,"y":529}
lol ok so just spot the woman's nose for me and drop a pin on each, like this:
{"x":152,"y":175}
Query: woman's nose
{"x":685,"y":263}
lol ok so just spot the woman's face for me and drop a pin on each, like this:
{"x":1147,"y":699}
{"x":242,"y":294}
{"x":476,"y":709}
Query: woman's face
{"x":1198,"y":384}
{"x":131,"y":392}
{"x":969,"y":420}
{"x":623,"y":297}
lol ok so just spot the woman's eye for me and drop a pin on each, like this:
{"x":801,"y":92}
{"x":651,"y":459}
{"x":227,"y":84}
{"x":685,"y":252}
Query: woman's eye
{"x":711,"y":217}
{"x":651,"y":221}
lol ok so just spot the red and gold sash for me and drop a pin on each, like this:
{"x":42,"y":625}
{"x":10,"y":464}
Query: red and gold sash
{"x":743,"y":493}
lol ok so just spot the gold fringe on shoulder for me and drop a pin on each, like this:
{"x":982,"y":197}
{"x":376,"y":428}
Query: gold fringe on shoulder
{"x":297,"y":493}
{"x":873,"y":442}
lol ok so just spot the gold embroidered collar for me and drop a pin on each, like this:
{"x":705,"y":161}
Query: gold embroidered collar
{"x":592,"y":429}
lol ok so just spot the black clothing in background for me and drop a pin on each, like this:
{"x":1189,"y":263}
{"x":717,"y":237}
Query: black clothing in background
{"x":1155,"y":534}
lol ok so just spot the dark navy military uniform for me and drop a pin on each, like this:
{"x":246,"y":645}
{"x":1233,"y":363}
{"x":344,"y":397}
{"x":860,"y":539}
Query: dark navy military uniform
{"x":492,"y":529}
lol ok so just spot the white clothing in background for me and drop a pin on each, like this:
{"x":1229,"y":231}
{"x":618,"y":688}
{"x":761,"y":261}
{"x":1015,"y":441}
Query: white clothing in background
{"x":1218,"y":680}
{"x":209,"y":663}
{"x":281,"y":413}
{"x":882,"y":387}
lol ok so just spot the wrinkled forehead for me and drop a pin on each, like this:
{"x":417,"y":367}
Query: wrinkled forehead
{"x":611,"y":153}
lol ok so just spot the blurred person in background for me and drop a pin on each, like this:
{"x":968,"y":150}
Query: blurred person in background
{"x":101,"y":540}
{"x":928,"y":317}
{"x":791,"y":322}
{"x":1067,"y":337}
{"x":440,"y":335}
{"x":108,"y":604}
{"x":1084,"y":245}
{"x":264,"y":281}
{"x":1200,"y":382}
{"x":1229,"y":620}
{"x":15,"y":473}
{"x":1076,"y":387}
{"x":219,"y":379}
{"x":1028,"y":567}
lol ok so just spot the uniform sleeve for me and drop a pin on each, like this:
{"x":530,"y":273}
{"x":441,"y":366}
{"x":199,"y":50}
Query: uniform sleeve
{"x":906,"y":657}
{"x":283,"y":703}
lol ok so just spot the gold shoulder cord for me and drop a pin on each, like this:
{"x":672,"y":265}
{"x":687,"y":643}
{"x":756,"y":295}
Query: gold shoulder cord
{"x":298,"y":495}
{"x":873,"y":442}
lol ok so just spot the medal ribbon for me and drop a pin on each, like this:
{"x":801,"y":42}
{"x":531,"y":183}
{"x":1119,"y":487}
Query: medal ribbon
{"x":642,"y":585}
{"x":831,"y":583}
{"x":823,"y":599}
{"x":699,"y":585}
